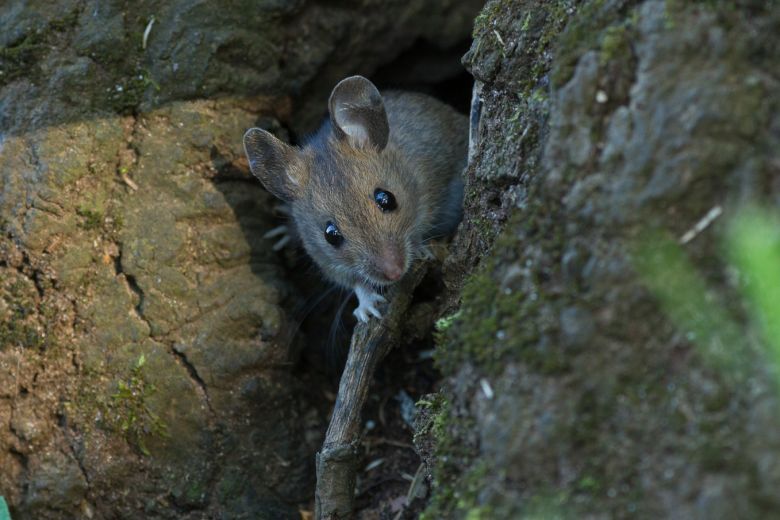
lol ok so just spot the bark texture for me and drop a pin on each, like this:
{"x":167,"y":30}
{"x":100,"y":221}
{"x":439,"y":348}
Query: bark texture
{"x":571,"y":390}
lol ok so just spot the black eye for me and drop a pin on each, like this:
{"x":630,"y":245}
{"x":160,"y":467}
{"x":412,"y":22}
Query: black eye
{"x":385,"y":200}
{"x":333,"y":235}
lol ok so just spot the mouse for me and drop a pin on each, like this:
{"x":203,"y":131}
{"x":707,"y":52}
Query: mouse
{"x":369,"y":190}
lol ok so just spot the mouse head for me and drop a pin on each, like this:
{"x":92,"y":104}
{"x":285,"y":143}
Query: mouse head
{"x":355,"y":200}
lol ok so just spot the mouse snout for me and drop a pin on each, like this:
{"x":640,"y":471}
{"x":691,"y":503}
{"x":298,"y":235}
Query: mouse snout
{"x":392,"y":262}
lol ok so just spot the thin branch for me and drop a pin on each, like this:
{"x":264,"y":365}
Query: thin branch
{"x":338,"y":458}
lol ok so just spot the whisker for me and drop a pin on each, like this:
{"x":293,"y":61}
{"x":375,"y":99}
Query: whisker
{"x":434,"y":237}
{"x":334,"y":351}
{"x":310,"y":306}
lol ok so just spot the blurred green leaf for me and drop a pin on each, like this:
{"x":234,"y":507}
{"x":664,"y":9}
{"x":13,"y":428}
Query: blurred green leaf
{"x":754,"y":245}
{"x":684,"y":296}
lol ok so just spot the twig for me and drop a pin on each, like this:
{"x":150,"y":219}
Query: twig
{"x":338,"y":458}
{"x":499,"y":38}
{"x":147,"y":31}
{"x":701,"y":225}
{"x":127,"y":180}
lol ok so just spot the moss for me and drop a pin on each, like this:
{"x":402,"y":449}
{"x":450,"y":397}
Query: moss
{"x":66,"y":22}
{"x":18,"y":58}
{"x":130,"y":90}
{"x":623,"y":410}
{"x":17,"y":333}
{"x":195,"y":492}
{"x":128,"y":412}
{"x":727,"y":12}
{"x":599,"y":25}
{"x":121,"y":91}
{"x":456,"y":495}
{"x":503,"y":43}
{"x":119,"y":222}
{"x":91,"y":219}
{"x":487,"y":16}
{"x":110,"y":222}
{"x":446,"y":322}
{"x":615,"y":41}
{"x":486,"y":331}
{"x":19,"y":325}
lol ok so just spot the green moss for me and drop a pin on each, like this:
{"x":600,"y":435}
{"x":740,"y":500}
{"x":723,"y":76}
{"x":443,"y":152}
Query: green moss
{"x":19,"y":326}
{"x":195,"y":492}
{"x":17,"y":59}
{"x":489,"y":328}
{"x":450,"y":455}
{"x":120,"y":86}
{"x":455,"y":497}
{"x":727,"y":12}
{"x":615,"y":413}
{"x":66,"y":22}
{"x":446,"y":322}
{"x":602,"y":25}
{"x":128,"y":412}
{"x":533,"y":34}
{"x":484,"y":20}
{"x":118,"y":223}
{"x":17,"y":333}
{"x":589,"y":484}
{"x":129,"y":91}
{"x":91,"y":219}
{"x":614,"y":41}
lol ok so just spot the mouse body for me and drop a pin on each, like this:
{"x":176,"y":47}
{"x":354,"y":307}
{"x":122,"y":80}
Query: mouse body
{"x":377,"y":181}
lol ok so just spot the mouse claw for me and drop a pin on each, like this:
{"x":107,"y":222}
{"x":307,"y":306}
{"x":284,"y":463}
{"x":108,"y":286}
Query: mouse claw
{"x":425,"y":252}
{"x":283,"y":233}
{"x":367,"y":301}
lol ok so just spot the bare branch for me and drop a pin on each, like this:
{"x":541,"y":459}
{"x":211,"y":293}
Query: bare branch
{"x":338,"y":458}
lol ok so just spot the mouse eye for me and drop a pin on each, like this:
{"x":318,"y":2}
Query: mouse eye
{"x":333,"y":235}
{"x":385,"y":200}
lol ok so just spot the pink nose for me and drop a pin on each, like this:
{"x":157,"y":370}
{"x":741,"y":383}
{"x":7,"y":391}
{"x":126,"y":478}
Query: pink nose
{"x":391,"y":263}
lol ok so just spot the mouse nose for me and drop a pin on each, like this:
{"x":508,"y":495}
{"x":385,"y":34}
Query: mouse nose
{"x":392,"y":263}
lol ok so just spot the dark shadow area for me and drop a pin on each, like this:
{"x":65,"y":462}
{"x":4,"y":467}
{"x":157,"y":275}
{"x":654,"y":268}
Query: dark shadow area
{"x":431,"y":70}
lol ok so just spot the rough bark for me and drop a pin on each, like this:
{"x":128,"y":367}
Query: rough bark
{"x":571,"y":389}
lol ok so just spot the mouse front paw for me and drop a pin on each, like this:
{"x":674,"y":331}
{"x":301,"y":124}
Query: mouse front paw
{"x":283,"y":232}
{"x":425,"y":252}
{"x":367,"y":301}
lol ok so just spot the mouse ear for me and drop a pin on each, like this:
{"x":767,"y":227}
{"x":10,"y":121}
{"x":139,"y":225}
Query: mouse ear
{"x":278,"y":165}
{"x":358,"y":113}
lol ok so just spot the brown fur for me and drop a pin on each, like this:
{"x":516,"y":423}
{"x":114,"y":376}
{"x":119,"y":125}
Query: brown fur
{"x":334,"y":176}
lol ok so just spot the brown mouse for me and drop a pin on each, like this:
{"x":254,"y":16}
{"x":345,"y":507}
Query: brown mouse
{"x":371,"y":187}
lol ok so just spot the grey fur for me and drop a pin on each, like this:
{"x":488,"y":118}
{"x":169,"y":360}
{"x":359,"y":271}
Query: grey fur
{"x":421,"y":165}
